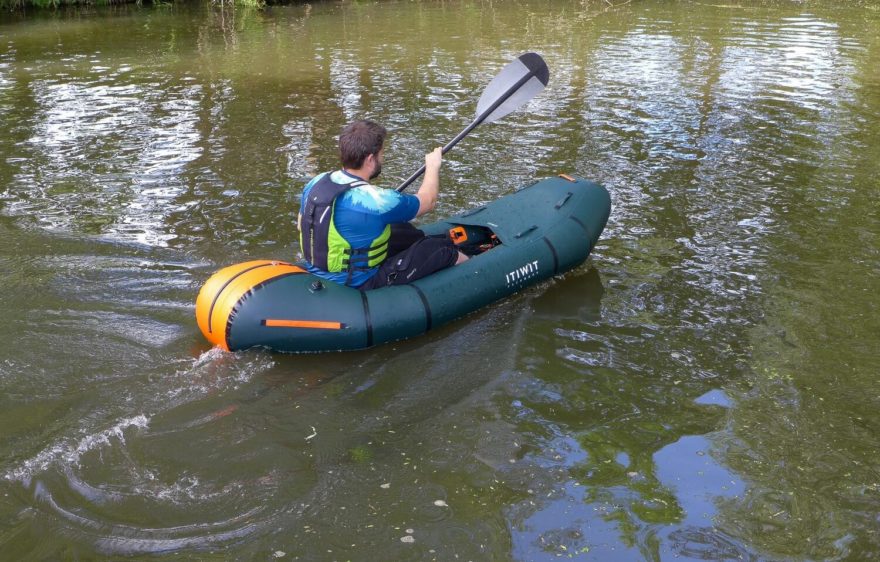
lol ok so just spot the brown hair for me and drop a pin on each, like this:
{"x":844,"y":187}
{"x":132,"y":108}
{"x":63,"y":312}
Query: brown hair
{"x":358,"y":140}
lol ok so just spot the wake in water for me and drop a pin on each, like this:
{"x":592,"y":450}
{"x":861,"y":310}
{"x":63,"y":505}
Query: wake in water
{"x":212,"y":372}
{"x":70,"y":451}
{"x":90,"y":483}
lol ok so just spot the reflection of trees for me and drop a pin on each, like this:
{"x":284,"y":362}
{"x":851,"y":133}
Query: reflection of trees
{"x":806,"y":429}
{"x":590,"y":382}
{"x":791,"y":203}
{"x":18,"y":103}
{"x":675,"y":325}
{"x":665,"y":302}
{"x":620,"y":421}
{"x":240,"y":189}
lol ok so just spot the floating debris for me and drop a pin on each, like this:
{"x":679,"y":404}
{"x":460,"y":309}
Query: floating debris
{"x":314,"y":433}
{"x":440,"y":503}
{"x":385,"y":486}
{"x":408,"y":539}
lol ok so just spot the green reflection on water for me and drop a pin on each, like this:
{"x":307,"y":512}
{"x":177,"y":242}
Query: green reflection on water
{"x":144,"y":148}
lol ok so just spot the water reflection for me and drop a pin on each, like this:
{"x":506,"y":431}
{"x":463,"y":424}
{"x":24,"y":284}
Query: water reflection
{"x":102,"y":154}
{"x":703,"y":389}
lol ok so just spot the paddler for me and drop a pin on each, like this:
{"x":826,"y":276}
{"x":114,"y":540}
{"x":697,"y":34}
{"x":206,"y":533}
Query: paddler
{"x":356,"y":234}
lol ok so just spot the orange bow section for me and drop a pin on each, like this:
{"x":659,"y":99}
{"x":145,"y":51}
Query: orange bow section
{"x":223,"y":291}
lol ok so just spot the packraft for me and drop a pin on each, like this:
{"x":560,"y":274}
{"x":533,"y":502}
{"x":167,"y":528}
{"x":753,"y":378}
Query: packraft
{"x":516,"y":241}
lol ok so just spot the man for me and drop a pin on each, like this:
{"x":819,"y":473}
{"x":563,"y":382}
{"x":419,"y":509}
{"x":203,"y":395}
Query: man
{"x":356,"y":234}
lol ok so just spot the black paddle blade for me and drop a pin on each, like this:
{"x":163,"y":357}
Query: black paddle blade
{"x":527,"y":76}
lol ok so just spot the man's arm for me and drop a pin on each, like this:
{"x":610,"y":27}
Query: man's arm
{"x":430,"y":188}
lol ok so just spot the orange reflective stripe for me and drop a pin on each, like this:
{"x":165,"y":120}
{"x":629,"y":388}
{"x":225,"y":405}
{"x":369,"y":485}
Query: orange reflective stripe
{"x":315,"y":324}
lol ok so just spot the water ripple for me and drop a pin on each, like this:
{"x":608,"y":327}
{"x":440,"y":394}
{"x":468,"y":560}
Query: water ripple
{"x":104,"y":154}
{"x":575,"y":419}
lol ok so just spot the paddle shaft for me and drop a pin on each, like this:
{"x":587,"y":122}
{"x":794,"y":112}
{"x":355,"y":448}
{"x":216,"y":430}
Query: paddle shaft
{"x":480,"y":118}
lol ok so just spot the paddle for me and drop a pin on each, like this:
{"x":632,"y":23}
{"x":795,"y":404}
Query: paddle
{"x":517,"y":83}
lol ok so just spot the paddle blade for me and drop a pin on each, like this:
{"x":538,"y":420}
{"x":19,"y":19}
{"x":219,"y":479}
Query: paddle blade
{"x":516,"y":84}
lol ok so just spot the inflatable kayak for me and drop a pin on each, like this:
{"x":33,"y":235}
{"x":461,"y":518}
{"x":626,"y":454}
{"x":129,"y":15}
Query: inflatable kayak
{"x":519,"y":240}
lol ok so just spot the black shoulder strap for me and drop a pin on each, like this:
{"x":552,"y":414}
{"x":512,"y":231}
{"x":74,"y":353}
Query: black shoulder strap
{"x":326,"y":190}
{"x":316,"y":217}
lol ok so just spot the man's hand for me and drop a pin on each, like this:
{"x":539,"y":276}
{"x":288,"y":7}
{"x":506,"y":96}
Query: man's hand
{"x":430,"y":188}
{"x":433,"y":160}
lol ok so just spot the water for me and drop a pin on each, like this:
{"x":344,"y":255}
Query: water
{"x":704,"y":387}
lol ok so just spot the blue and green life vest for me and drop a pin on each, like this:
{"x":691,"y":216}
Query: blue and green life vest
{"x":321,"y":243}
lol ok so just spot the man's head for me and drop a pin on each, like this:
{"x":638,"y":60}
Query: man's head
{"x":360,"y":140}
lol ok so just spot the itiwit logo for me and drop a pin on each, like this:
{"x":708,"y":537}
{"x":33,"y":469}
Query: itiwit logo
{"x":522,"y":273}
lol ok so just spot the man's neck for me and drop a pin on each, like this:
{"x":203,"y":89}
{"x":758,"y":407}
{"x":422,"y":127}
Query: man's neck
{"x":358,"y":173}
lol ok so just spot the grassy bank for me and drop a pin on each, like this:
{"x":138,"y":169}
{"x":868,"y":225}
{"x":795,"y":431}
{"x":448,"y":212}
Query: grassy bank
{"x":16,"y":5}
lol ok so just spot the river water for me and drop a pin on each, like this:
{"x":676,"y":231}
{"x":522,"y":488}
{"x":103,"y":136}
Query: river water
{"x":704,"y":387}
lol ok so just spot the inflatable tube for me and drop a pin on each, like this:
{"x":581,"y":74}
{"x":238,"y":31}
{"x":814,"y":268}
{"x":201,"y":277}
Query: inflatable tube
{"x":519,"y":240}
